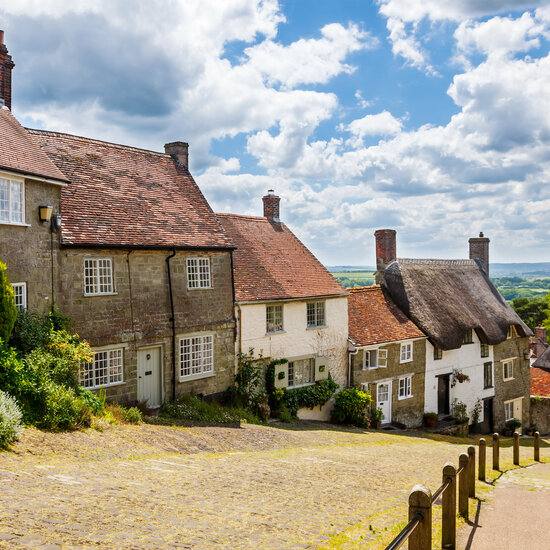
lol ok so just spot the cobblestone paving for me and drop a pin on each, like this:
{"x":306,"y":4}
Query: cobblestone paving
{"x":253,"y":487}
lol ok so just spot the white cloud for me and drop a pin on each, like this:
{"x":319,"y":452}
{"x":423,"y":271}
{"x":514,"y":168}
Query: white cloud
{"x":380,"y":124}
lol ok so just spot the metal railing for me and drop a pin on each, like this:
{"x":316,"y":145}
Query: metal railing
{"x":419,"y":529}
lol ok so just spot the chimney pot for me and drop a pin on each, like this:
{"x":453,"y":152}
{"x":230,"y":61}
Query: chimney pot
{"x":179,"y":151}
{"x":385,"y":251}
{"x":271,"y":205}
{"x":1,"y":37}
{"x":479,"y":248}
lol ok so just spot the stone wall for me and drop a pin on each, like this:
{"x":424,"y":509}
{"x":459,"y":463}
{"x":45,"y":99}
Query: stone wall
{"x":540,"y":414}
{"x":26,"y":249}
{"x":518,"y":388}
{"x":408,"y":411}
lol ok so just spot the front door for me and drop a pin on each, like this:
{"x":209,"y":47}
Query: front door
{"x":149,"y":387}
{"x":383,"y":400}
{"x":488,"y":423}
{"x":518,"y":413}
{"x":443,"y":394}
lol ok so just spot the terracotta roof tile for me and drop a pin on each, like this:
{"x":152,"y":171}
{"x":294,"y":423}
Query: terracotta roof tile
{"x":124,"y":196}
{"x":374,"y":318}
{"x":270,"y":263}
{"x":540,"y":382}
{"x":19,"y":153}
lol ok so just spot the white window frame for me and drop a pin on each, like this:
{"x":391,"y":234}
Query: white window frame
{"x":14,"y":181}
{"x":92,"y":276}
{"x":510,"y":372}
{"x":23,"y":295}
{"x":199,"y":359}
{"x":198,"y":278}
{"x":318,"y":316}
{"x":290,"y":372}
{"x":405,"y":388}
{"x":406,"y":352}
{"x":114,"y":369}
{"x":375,"y":358}
{"x":274,"y":329}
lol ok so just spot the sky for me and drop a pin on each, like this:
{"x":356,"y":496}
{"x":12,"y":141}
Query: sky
{"x":431,"y":117}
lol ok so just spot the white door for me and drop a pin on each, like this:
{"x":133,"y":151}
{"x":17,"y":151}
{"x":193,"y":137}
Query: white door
{"x":149,"y":387}
{"x":383,"y":400}
{"x":518,"y":413}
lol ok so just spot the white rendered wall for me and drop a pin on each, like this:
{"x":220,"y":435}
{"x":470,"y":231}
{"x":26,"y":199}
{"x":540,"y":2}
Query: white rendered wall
{"x":296,"y":340}
{"x":469,"y":361}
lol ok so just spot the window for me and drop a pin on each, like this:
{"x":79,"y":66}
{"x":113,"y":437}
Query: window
{"x":196,"y":355}
{"x":98,"y":276}
{"x":20,"y":295}
{"x":468,"y":337}
{"x":438,"y":353}
{"x":488,"y":375}
{"x":12,"y":203}
{"x":508,"y":411}
{"x":315,"y":314}
{"x":198,"y":273}
{"x":106,"y":369}
{"x":274,"y":318}
{"x":375,"y":358}
{"x":383,"y":392}
{"x":484,"y":350}
{"x":512,"y":333}
{"x":405,"y":387}
{"x":406,"y":352}
{"x":301,"y":372}
{"x":508,"y":369}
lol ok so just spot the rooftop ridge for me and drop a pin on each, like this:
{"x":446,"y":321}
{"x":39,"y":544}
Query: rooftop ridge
{"x":93,"y":140}
{"x":243,"y":216}
{"x":369,"y":288}
{"x":435,"y":262}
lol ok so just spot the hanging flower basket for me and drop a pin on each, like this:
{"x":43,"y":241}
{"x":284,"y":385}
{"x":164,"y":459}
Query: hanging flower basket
{"x":458,"y":377}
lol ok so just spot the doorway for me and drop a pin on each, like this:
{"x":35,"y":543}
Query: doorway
{"x":149,"y":371}
{"x":383,"y":400}
{"x":488,"y":426}
{"x":443,"y":394}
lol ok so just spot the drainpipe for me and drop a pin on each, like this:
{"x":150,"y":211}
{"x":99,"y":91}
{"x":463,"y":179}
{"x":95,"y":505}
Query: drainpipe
{"x":350,"y":353}
{"x":173,"y":324}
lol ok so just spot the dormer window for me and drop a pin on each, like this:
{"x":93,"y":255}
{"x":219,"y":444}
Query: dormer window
{"x":512,"y":333}
{"x":438,"y":353}
{"x":468,"y":337}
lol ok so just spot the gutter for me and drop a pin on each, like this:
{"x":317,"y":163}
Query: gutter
{"x":350,"y":353}
{"x":172,"y":323}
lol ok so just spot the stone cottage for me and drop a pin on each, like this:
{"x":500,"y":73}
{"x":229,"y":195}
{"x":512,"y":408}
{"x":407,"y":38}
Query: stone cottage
{"x":287,"y":304}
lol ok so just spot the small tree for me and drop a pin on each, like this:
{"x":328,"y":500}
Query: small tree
{"x":8,"y":311}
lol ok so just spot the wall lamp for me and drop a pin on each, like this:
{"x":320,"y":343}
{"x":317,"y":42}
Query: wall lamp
{"x":45,"y":213}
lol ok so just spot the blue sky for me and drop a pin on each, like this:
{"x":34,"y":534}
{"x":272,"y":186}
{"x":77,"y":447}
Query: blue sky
{"x":430,"y":117}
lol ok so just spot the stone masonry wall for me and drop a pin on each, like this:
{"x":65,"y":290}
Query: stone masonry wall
{"x":138,"y":313}
{"x":408,"y":411}
{"x":26,"y":250}
{"x":511,"y":389}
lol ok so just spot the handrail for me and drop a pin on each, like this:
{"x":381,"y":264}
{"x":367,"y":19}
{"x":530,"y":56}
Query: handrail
{"x":445,"y":484}
{"x":460,"y":469}
{"x":405,"y":533}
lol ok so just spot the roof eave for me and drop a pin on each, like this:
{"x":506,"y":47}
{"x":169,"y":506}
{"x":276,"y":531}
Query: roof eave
{"x":34,"y":175}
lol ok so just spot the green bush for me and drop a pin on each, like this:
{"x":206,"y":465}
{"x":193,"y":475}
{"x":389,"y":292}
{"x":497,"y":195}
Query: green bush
{"x":10,"y":419}
{"x":120,"y":413}
{"x":31,"y":331}
{"x":350,"y":407}
{"x":8,"y":311}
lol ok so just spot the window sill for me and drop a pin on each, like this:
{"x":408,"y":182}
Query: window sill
{"x":316,"y":327}
{"x":16,"y":224}
{"x":192,"y":377}
{"x":405,"y":397}
{"x":100,"y":294}
{"x":508,"y":379}
{"x":488,"y":387}
{"x":405,"y":361}
{"x":201,"y":288}
{"x":275,"y":332}
{"x":93,"y":388}
{"x":301,"y":385}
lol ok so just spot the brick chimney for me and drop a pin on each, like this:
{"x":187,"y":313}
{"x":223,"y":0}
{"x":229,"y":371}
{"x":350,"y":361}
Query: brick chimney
{"x":479,"y":248}
{"x":385,"y":251}
{"x":271,"y":205}
{"x":6,"y":66}
{"x":540,"y":343}
{"x":179,"y":151}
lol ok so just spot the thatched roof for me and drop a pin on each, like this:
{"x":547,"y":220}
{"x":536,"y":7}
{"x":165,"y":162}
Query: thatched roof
{"x":446,"y":298}
{"x":543,"y":361}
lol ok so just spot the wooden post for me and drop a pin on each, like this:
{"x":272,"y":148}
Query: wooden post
{"x":516,"y":448}
{"x":472,"y":471}
{"x":496,"y":448}
{"x":463,"y":485}
{"x":448,"y":512}
{"x":536,"y":446}
{"x":420,"y":500}
{"x":482,"y":457}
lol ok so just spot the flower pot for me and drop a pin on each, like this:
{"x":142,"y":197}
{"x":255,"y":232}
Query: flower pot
{"x":430,"y":422}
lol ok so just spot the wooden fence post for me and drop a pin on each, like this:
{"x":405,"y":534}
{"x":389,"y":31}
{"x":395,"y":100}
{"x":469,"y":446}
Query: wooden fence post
{"x":463,"y":485}
{"x":471,"y":471}
{"x":516,"y":448}
{"x":448,"y":513}
{"x":420,"y":501}
{"x":496,"y":449}
{"x":536,"y":446}
{"x":482,"y":457}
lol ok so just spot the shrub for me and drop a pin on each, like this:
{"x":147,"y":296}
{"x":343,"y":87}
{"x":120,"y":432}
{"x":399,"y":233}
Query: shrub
{"x":459,"y":411}
{"x":10,"y":419}
{"x":31,"y":331}
{"x":120,"y":413}
{"x":8,"y":311}
{"x":248,"y":389}
{"x":350,"y":407}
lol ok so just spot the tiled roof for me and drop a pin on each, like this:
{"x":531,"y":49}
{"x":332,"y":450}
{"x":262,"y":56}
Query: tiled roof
{"x":374,"y":319}
{"x":129,"y":197}
{"x":19,"y":153}
{"x":540,"y":382}
{"x":270,"y":263}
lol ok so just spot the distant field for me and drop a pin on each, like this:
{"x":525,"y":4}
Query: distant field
{"x":350,"y":279}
